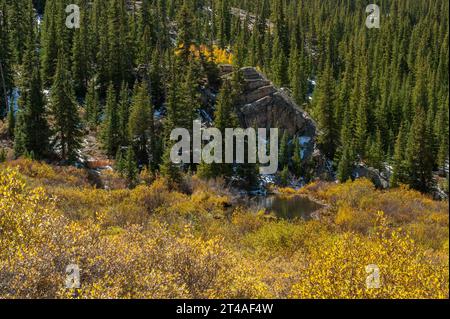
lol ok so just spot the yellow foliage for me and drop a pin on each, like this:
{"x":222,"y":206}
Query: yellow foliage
{"x":217,"y":55}
{"x":337,"y":268}
{"x":151,"y":242}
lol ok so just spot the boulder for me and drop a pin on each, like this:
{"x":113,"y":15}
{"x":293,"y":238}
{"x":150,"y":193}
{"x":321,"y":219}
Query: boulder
{"x":262,"y":105}
{"x":380,"y":179}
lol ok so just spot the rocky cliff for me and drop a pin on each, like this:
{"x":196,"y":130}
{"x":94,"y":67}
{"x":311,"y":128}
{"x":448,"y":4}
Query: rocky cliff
{"x":262,"y":105}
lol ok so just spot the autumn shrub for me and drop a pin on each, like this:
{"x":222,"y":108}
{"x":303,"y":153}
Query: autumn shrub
{"x":355,"y":204}
{"x":245,"y":222}
{"x":285,"y":237}
{"x":151,"y":242}
{"x":337,"y":268}
{"x":44,"y":174}
{"x":351,"y":219}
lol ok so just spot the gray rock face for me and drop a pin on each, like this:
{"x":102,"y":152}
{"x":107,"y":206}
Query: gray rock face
{"x":380,"y":179}
{"x":264,"y":106}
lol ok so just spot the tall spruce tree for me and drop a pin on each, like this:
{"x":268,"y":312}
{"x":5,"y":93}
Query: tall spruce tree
{"x":6,"y":74}
{"x":111,"y":135}
{"x":324,"y":101}
{"x":418,"y":160}
{"x":141,"y":126}
{"x":31,"y":130}
{"x":66,"y":118}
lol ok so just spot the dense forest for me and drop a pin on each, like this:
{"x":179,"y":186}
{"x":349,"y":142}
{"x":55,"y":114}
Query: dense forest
{"x":141,"y":226}
{"x":381,"y":95}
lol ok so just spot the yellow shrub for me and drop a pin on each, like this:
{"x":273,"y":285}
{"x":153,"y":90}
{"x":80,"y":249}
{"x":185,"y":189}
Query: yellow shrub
{"x":350,"y":219}
{"x":218,"y":55}
{"x":337,"y":268}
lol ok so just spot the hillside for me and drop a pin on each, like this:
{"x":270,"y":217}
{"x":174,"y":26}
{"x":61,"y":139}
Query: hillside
{"x":135,"y":147}
{"x":151,"y":242}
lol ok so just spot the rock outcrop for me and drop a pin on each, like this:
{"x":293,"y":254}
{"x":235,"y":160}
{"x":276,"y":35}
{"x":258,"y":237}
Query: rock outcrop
{"x":262,"y":105}
{"x":379,"y":178}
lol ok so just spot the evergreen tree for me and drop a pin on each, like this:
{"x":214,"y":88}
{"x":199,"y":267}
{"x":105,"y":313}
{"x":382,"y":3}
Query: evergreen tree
{"x":297,"y":159}
{"x":11,"y":122}
{"x":324,"y":98}
{"x":67,"y":123}
{"x":375,"y":153}
{"x":80,"y":52}
{"x":6,"y":76}
{"x":418,"y":161}
{"x":31,"y":130}
{"x":141,"y":127}
{"x":362,"y":117}
{"x":279,"y":65}
{"x":170,"y":170}
{"x":92,"y":112}
{"x":111,"y":136}
{"x":130,"y":168}
{"x":284,"y":176}
{"x":49,"y":42}
{"x":3,"y":155}
{"x":399,"y":174}
{"x":185,"y":22}
{"x":345,"y":166}
{"x":224,"y":23}
{"x":442,"y":131}
{"x":124,"y":114}
{"x":284,"y":154}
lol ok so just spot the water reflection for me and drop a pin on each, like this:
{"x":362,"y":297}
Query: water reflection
{"x":287,"y":207}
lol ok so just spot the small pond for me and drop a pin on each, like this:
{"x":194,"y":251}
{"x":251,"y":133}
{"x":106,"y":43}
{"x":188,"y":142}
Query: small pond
{"x":286,"y":207}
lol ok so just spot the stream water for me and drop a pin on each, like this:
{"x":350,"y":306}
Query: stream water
{"x":286,"y":207}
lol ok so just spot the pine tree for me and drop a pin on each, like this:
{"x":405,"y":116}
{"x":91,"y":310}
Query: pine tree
{"x":19,"y":23}
{"x":399,"y":174}
{"x":298,"y":76}
{"x":297,"y":159}
{"x":442,"y":130}
{"x":362,"y":118}
{"x":49,"y":42}
{"x":170,"y":170}
{"x":324,"y":98}
{"x":156,"y":77}
{"x":120,"y":49}
{"x":120,"y":164}
{"x":140,"y":125}
{"x":185,"y":22}
{"x":80,"y":53}
{"x":419,"y":164}
{"x":111,"y":136}
{"x":280,"y":65}
{"x":345,"y":155}
{"x":376,"y":154}
{"x":188,"y":98}
{"x":92,"y":112}
{"x":67,"y":123}
{"x":224,"y":117}
{"x":11,"y":118}
{"x":3,"y":155}
{"x":284,"y":154}
{"x":124,"y":114}
{"x":345,"y":166}
{"x":31,"y":130}
{"x":224,"y":23}
{"x":284,"y":176}
{"x":130,"y":168}
{"x":6,"y":76}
